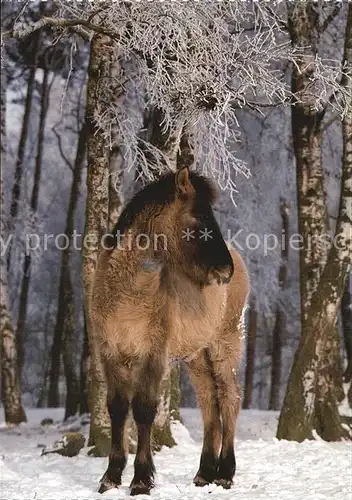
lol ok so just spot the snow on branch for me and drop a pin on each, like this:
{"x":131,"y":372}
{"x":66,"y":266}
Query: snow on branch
{"x":197,"y":62}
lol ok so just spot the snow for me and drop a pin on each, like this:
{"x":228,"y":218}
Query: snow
{"x":266,"y":468}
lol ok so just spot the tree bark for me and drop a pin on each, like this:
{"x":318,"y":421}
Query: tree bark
{"x":177,"y":155}
{"x":69,"y":328}
{"x":100,"y":84}
{"x":66,"y":316}
{"x":116,"y":95}
{"x":115,"y":180}
{"x":10,"y":384}
{"x":274,"y":398}
{"x":311,"y":399}
{"x":346,"y":316}
{"x":44,"y":102}
{"x":43,"y":395}
{"x":174,"y":145}
{"x":84,"y":373}
{"x":250,"y":358}
{"x":95,"y":227}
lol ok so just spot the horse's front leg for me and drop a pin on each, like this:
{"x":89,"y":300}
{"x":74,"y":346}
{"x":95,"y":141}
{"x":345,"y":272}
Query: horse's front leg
{"x":144,"y":405}
{"x":119,"y":380}
{"x":202,"y":378}
{"x":229,"y":398}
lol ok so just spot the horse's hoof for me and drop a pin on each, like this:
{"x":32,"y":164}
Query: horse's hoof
{"x":200,"y":481}
{"x":140,"y":488}
{"x":107,"y":484}
{"x":225,"y":483}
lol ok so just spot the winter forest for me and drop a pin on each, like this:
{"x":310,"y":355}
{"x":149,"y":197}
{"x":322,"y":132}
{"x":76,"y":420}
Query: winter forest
{"x":102,"y":99}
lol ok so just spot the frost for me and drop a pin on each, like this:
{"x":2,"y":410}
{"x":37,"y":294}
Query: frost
{"x":308,"y":391}
{"x":331,"y":312}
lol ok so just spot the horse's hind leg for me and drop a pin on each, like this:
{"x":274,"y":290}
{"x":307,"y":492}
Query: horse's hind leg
{"x":201,"y":374}
{"x":228,"y":396}
{"x":144,"y":405}
{"x":119,"y":389}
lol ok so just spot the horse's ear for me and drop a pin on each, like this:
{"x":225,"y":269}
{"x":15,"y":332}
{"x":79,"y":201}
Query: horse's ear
{"x":183,"y":183}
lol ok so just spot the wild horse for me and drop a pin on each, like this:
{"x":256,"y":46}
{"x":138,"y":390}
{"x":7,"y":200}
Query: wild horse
{"x":170,"y":287}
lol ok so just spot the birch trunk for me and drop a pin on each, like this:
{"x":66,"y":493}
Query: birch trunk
{"x":10,"y":384}
{"x":95,"y":227}
{"x":100,"y":212}
{"x":116,"y":96}
{"x":115,"y":181}
{"x":311,"y":399}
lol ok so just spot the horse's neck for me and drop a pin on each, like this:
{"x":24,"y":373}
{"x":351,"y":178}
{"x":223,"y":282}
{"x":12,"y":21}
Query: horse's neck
{"x":136,"y":269}
{"x":140,"y":273}
{"x":181,"y":288}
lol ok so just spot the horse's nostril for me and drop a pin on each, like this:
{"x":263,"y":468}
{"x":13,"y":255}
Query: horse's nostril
{"x":226,"y":279}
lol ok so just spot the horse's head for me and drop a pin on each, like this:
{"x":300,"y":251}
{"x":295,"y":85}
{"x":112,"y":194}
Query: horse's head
{"x":196,"y":242}
{"x":176,"y":214}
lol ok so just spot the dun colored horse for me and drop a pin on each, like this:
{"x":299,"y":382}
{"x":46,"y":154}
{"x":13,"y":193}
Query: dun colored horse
{"x":170,"y":288}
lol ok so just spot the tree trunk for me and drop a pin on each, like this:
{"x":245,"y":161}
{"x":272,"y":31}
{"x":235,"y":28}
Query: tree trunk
{"x":177,"y":154}
{"x":65,"y":305}
{"x":167,"y":410}
{"x":274,"y":399}
{"x":100,"y":84}
{"x":115,"y":180}
{"x":116,"y":95}
{"x":346,"y":315}
{"x":19,"y":166}
{"x":250,"y":357}
{"x":43,"y":395}
{"x":311,"y":399}
{"x":69,"y":328}
{"x":84,"y":371}
{"x":33,"y":205}
{"x":95,"y":227}
{"x":346,"y":196}
{"x":10,"y":385}
{"x":170,"y":149}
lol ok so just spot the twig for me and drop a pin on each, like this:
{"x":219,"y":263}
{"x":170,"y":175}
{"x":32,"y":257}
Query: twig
{"x":63,"y":155}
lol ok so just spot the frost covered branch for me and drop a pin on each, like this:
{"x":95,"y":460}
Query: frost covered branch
{"x":196,"y":62}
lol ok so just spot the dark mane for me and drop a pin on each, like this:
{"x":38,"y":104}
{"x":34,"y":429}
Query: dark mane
{"x":158,"y":194}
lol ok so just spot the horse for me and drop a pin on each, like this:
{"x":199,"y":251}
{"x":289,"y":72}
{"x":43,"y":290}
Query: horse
{"x":168,"y":287}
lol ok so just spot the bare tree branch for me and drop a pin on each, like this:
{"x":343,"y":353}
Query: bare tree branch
{"x":23,"y":30}
{"x":62,"y":153}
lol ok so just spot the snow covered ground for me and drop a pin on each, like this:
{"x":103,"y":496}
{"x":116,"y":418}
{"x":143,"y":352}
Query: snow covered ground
{"x":266,"y":468}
